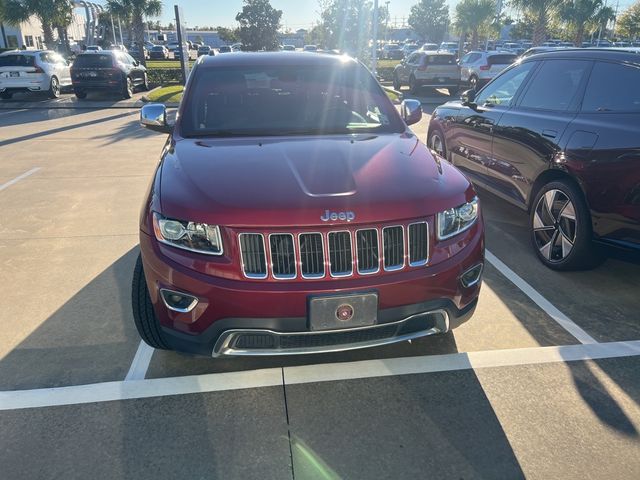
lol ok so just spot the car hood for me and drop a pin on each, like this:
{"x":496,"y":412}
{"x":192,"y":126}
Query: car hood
{"x":278,"y":181}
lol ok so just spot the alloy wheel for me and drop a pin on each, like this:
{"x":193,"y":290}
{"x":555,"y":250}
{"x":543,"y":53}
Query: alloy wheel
{"x":555,"y":225}
{"x":436,"y":144}
{"x":55,"y":87}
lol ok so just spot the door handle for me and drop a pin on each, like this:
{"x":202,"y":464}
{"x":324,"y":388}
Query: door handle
{"x":549,"y":133}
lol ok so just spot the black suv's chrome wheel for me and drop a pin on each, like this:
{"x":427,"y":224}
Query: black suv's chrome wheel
{"x":561,"y":229}
{"x":436,"y":142}
{"x":554,"y":225}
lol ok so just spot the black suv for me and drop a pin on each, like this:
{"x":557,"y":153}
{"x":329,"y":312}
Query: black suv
{"x":108,"y":70}
{"x":557,"y":134}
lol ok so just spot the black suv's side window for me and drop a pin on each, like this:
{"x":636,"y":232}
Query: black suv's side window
{"x":555,"y":85}
{"x":502,"y":90}
{"x":613,"y":87}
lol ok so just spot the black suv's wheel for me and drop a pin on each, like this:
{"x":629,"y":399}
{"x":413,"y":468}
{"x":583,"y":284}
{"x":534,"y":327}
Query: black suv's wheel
{"x":6,"y":95}
{"x":81,"y":94}
{"x":561,"y":231}
{"x":127,"y":91}
{"x":396,"y":82}
{"x":54,"y":88}
{"x":435,"y":141}
{"x":473,"y":82}
{"x":145,"y":318}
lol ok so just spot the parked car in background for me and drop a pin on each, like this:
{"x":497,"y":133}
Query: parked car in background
{"x":134,"y":52}
{"x":204,"y":50}
{"x":289,"y":48}
{"x":392,"y":51}
{"x":451,"y":47}
{"x":478,"y":68}
{"x":310,"y":48}
{"x":177,"y":52}
{"x":276,"y":230}
{"x":159,"y":52}
{"x":224,"y":49}
{"x":558,"y":135}
{"x":120,"y":48}
{"x":428,"y":69}
{"x":429,"y":47}
{"x":171,"y":46}
{"x":113,"y":71}
{"x":535,"y":50}
{"x":33,"y":71}
{"x":409,"y":48}
{"x":94,"y":48}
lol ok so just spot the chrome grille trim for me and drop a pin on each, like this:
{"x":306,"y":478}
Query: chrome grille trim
{"x":314,"y":276}
{"x":413,"y":245}
{"x":258,"y":261}
{"x":282,"y":262}
{"x":394,"y":266}
{"x":368,"y":271}
{"x":347,"y":259}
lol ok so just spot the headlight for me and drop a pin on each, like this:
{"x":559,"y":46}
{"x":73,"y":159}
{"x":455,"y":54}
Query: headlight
{"x":458,"y":219}
{"x":192,"y":236}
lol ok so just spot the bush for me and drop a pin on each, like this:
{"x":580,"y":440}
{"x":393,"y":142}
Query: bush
{"x":164,"y":76}
{"x":385,"y":74}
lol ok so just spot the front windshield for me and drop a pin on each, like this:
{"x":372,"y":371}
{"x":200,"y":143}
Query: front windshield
{"x":287,"y":100}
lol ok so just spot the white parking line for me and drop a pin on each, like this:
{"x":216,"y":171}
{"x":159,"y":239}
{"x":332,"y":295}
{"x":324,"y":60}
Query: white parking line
{"x":18,"y":178}
{"x":110,"y":391}
{"x":550,"y":309}
{"x":140,"y":363}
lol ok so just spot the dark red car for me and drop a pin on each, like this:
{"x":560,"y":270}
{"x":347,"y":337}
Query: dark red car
{"x":293,"y":211}
{"x":558,"y":135}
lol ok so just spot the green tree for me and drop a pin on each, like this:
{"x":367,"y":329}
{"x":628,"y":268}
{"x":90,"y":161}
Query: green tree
{"x":228,"y":35}
{"x":429,"y":19}
{"x":259,"y":24}
{"x":628,"y":25}
{"x":51,"y":13}
{"x":582,"y":15}
{"x":137,"y":11}
{"x":474,"y":16}
{"x":346,"y":25}
{"x":537,"y":13}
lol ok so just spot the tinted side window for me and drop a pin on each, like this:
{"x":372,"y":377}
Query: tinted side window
{"x":555,"y":85}
{"x":413,"y":58}
{"x":613,"y":87}
{"x":502,"y":90}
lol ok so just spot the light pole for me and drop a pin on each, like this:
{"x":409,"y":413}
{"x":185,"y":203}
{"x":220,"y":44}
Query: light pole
{"x":374,"y":47}
{"x":386,"y":23}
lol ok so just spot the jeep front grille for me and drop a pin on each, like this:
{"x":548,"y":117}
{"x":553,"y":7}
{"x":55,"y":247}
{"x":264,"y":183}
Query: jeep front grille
{"x":340,"y":253}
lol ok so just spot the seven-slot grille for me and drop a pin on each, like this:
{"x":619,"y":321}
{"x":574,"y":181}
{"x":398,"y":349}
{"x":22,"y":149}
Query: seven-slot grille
{"x":336,"y":253}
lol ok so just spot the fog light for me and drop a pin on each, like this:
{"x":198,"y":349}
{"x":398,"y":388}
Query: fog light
{"x":177,"y":301}
{"x":471,"y":276}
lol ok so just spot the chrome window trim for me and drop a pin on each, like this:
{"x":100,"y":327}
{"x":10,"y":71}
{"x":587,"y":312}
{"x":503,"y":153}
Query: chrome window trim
{"x":340,"y":275}
{"x":421,"y":262}
{"x":368,"y":272}
{"x":404,"y":250}
{"x":266,"y":265}
{"x":324,"y":260}
{"x":295,"y":260}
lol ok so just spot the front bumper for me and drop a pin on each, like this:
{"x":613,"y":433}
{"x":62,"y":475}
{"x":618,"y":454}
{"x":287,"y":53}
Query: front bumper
{"x":270,"y":318}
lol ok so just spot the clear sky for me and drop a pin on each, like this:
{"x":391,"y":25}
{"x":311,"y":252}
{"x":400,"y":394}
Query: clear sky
{"x":296,"y":13}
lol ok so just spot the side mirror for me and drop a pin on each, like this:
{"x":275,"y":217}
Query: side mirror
{"x":411,"y":111}
{"x":154,"y":117}
{"x":468,"y":98}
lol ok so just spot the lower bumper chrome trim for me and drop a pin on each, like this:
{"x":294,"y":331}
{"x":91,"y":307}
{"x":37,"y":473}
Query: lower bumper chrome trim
{"x":225,"y":346}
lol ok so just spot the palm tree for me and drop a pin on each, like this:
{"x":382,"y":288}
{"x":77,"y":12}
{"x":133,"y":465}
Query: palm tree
{"x":541,"y":11}
{"x":137,"y":10}
{"x":583,"y":14}
{"x":473,"y":16}
{"x":49,"y":12}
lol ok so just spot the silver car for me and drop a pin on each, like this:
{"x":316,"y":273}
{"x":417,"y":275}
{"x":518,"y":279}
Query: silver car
{"x":428,"y":69}
{"x":478,"y":68}
{"x":33,"y":71}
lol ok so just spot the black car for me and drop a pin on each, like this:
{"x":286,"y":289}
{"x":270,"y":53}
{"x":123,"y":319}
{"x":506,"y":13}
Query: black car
{"x":107,"y":70}
{"x":557,"y":134}
{"x":159,"y":52}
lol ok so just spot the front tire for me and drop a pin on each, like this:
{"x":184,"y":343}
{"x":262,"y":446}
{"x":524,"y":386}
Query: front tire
{"x":143,"y":315}
{"x":413,"y":86}
{"x":80,"y":94}
{"x":127,"y":91}
{"x":396,"y":82}
{"x":436,"y":142}
{"x":54,"y":88}
{"x":145,"y":83}
{"x":560,"y":225}
{"x":474,"y":83}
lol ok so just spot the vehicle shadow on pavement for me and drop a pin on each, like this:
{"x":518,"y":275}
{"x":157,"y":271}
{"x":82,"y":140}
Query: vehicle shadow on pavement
{"x":126,"y":132}
{"x":89,"y":339}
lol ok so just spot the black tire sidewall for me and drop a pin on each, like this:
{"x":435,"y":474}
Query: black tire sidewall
{"x":413,"y":87}
{"x":432,"y":132}
{"x":52,"y":92}
{"x":127,"y":91}
{"x":396,"y":82}
{"x":583,"y":255}
{"x":144,"y":315}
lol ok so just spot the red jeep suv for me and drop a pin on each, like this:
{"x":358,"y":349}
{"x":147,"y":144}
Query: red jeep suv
{"x":293,"y":211}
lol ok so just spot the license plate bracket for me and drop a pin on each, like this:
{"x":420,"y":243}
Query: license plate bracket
{"x":335,"y":312}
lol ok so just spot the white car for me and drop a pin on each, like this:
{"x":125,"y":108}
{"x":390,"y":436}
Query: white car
{"x":478,"y":68}
{"x":33,"y":71}
{"x":94,"y":48}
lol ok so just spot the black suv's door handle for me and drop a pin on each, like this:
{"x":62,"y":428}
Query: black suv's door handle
{"x":549,"y":133}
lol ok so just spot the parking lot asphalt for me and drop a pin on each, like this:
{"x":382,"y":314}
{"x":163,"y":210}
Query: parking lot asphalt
{"x":543,"y":382}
